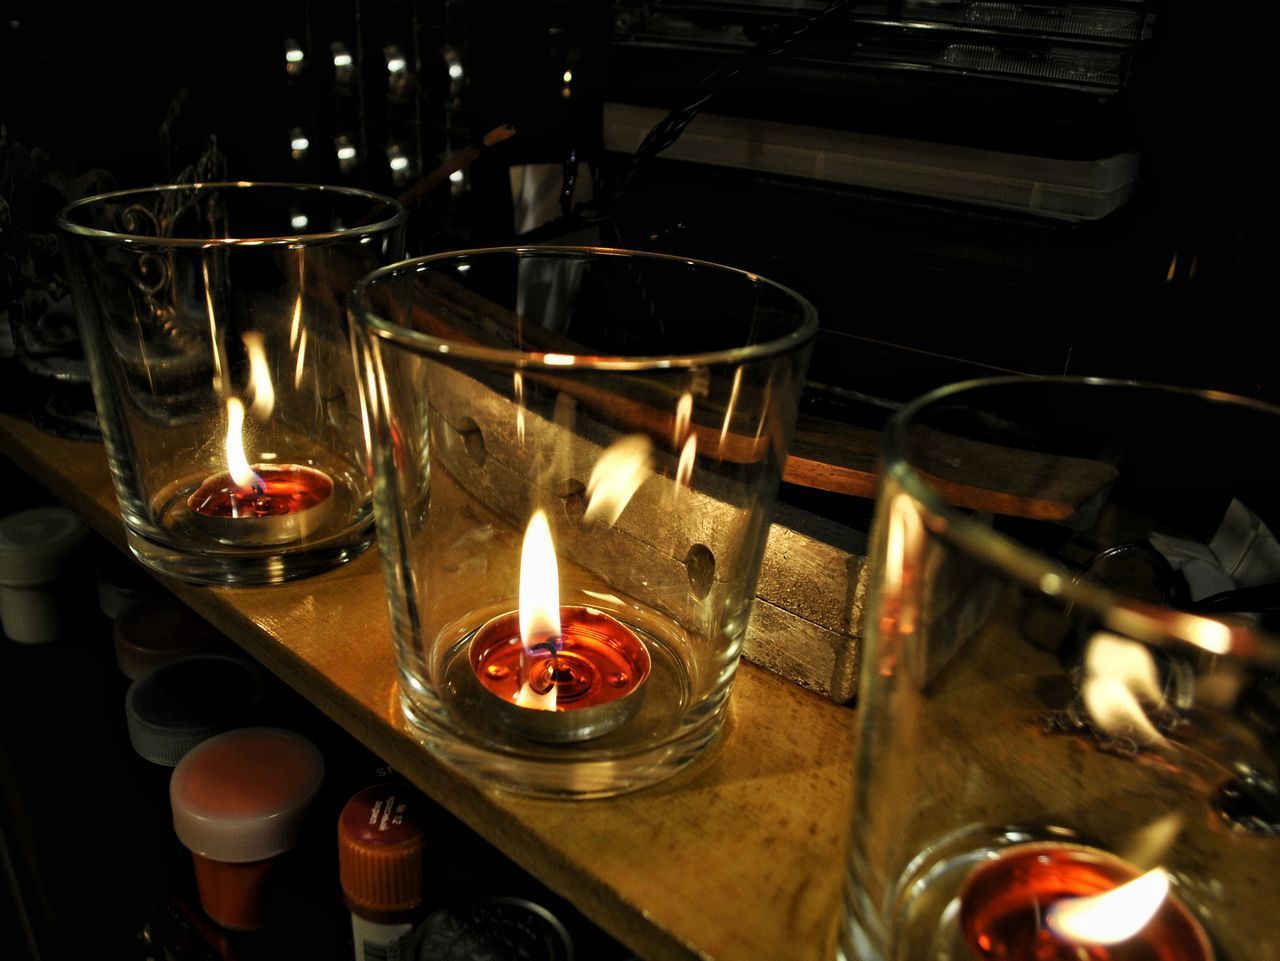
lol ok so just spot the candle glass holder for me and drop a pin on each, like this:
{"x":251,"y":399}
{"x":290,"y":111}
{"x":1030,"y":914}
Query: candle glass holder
{"x":214,"y":322}
{"x":603,"y":428}
{"x":1069,"y":713}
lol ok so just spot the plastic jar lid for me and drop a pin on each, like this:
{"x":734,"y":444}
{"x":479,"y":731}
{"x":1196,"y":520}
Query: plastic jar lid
{"x":241,"y":796}
{"x":35,"y":544}
{"x":380,"y":849}
{"x":175,"y":705}
{"x":122,"y":582}
{"x":490,"y":928}
{"x":158,"y":629}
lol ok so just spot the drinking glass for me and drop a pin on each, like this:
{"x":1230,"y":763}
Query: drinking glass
{"x":213,"y":318}
{"x":1069,"y":713}
{"x":575,"y":454}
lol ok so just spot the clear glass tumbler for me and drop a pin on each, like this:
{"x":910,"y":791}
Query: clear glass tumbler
{"x":1069,"y":715}
{"x":213,"y":318}
{"x":576,"y":453}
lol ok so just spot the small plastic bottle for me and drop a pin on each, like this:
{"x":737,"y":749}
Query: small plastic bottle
{"x":380,"y":862}
{"x":40,"y":550}
{"x":238,"y":803}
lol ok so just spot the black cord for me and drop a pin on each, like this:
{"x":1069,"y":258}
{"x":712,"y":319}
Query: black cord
{"x":668,"y":130}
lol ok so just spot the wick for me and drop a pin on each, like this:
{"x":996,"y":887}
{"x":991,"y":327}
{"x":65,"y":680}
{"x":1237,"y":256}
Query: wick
{"x":551,"y":646}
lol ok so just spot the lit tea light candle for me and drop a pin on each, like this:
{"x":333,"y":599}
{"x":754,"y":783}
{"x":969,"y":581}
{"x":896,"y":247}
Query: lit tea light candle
{"x":1065,"y":902}
{"x":259,"y":503}
{"x":557,"y":673}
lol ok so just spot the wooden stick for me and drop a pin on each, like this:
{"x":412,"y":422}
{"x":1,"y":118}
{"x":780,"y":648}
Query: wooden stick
{"x":458,"y":160}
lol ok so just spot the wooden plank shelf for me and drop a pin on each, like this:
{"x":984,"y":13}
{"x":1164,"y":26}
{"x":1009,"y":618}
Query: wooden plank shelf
{"x":739,"y":858}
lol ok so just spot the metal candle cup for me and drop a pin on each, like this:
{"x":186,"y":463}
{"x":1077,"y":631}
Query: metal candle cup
{"x":285,"y":504}
{"x":598,"y":673}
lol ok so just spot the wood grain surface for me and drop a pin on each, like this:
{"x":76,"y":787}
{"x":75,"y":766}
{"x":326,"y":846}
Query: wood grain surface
{"x":737,"y":859}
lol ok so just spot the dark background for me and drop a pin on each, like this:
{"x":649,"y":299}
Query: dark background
{"x":1172,"y":287}
{"x":1175,"y":286}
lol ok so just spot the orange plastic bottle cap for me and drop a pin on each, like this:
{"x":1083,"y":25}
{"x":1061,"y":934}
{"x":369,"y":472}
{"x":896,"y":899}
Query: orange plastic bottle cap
{"x":380,"y":850}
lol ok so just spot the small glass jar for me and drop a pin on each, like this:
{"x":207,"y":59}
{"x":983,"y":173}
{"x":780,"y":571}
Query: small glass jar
{"x":212,"y":318}
{"x":575,"y":457}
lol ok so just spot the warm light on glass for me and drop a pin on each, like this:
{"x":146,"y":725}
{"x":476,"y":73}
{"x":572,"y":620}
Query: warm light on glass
{"x":621,"y":470}
{"x":264,"y":393}
{"x":1208,"y":635}
{"x":903,"y":539}
{"x":237,"y":463}
{"x":684,"y":416}
{"x":688,"y":457}
{"x":733,"y":402}
{"x":1112,"y":917}
{"x":1119,"y":676}
{"x":568,"y":76}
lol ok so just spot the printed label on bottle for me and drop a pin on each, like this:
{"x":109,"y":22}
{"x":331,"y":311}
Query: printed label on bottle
{"x":377,"y":942}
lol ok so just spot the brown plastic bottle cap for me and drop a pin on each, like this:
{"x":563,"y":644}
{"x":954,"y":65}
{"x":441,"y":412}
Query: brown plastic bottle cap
{"x":380,"y":849}
{"x":158,"y":629}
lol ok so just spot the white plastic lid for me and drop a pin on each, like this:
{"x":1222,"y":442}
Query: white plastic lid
{"x":174,"y":706}
{"x":35,"y":543}
{"x":241,"y":796}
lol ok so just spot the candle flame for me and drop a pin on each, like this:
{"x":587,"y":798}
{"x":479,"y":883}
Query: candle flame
{"x":1120,"y":675}
{"x":539,"y":585}
{"x":1112,"y":917}
{"x":539,"y":605}
{"x":264,"y":392}
{"x":237,"y":463}
{"x":621,"y":470}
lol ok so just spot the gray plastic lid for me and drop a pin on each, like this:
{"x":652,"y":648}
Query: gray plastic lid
{"x":35,"y":544}
{"x":174,"y":706}
{"x":488,"y":929}
{"x":241,"y":796}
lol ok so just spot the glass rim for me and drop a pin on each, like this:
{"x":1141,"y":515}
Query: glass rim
{"x":1143,"y":620}
{"x":426,"y":344}
{"x":398,"y":216}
